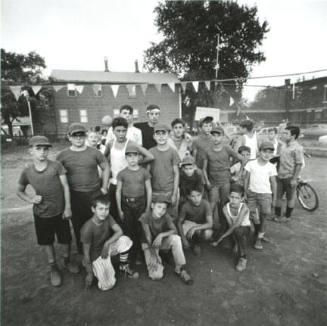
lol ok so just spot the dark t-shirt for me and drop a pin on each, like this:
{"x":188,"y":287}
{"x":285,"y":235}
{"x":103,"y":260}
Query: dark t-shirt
{"x":147,"y":134}
{"x":133,"y":181}
{"x":47,"y":184}
{"x":202,"y":143}
{"x":82,"y":168}
{"x":197,"y":214}
{"x":162,"y":169}
{"x":157,"y":226}
{"x":193,"y":182}
{"x":96,"y":235}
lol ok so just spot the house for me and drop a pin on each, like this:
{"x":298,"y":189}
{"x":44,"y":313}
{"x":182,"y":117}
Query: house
{"x":87,"y":96}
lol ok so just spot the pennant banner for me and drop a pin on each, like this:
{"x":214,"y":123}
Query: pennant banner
{"x":97,"y":88}
{"x":158,"y":87}
{"x":16,"y":91}
{"x":195,"y":85}
{"x":36,"y":89}
{"x":144,"y":87}
{"x":79,"y":88}
{"x":115,"y":89}
{"x":207,"y":83}
{"x":172,"y":86}
{"x":58,"y":87}
{"x":131,"y":90}
{"x":231,"y":101}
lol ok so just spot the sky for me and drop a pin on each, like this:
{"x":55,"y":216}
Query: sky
{"x":78,"y":34}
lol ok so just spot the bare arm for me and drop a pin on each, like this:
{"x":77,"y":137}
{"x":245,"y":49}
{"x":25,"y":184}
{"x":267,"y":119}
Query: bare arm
{"x":147,"y":233}
{"x":64,"y":182}
{"x":105,"y":176}
{"x":148,"y":190}
{"x":273,"y":187}
{"x":147,"y":156}
{"x":176,"y":183}
{"x":118,"y":199}
{"x":22,"y":195}
{"x":246,"y":184}
{"x":205,"y":173}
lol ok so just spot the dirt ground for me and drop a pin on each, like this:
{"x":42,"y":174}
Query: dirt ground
{"x":286,"y":284}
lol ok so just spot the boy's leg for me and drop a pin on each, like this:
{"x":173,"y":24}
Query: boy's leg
{"x":240,"y":235}
{"x":264,"y":202}
{"x":213,"y":200}
{"x":223,"y":199}
{"x":113,"y":203}
{"x":154,"y":272}
{"x":290,"y":196}
{"x":279,"y":197}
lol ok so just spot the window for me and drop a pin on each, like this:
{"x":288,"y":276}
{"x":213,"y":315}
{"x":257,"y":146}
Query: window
{"x":63,"y":116}
{"x":116,"y":113}
{"x":135,"y":114}
{"x":325,"y":94}
{"x":71,"y":90}
{"x":83,"y":116}
{"x":97,"y":88}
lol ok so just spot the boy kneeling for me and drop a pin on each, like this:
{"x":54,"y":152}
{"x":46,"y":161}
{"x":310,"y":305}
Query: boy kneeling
{"x":160,"y":233}
{"x":102,"y":237}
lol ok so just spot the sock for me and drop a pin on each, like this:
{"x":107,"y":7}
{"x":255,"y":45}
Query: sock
{"x":289,"y":211}
{"x":278,"y":211}
{"x":261,"y":235}
{"x":123,"y":258}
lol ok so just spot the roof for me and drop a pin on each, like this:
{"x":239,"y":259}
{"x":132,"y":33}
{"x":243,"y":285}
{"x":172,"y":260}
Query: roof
{"x":79,"y":76}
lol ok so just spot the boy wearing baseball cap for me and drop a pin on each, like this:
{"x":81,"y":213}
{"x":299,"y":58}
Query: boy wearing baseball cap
{"x":260,"y":189}
{"x":133,"y":196}
{"x":51,"y":204}
{"x":81,"y":163}
{"x":160,"y":233}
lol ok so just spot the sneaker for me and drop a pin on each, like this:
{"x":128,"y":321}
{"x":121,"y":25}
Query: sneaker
{"x":241,"y":265}
{"x":258,"y":244}
{"x":72,"y":267}
{"x":185,"y":277}
{"x":55,"y":277}
{"x":196,"y":250}
{"x":126,"y":269}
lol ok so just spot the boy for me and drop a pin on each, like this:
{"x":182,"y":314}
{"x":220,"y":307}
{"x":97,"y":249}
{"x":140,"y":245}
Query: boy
{"x":248,"y":138}
{"x":216,"y":171}
{"x":133,"y":133}
{"x":51,"y":204}
{"x":190,"y":178}
{"x":160,"y":234}
{"x":260,"y":189}
{"x":115,"y":152}
{"x":203,"y":141}
{"x":179,"y":140}
{"x":237,"y":170}
{"x":272,"y":137}
{"x":164,"y":168}
{"x":133,"y":196}
{"x":290,"y":165}
{"x":237,"y":216}
{"x":92,"y":139}
{"x":195,"y":220}
{"x":102,"y":236}
{"x":81,"y":163}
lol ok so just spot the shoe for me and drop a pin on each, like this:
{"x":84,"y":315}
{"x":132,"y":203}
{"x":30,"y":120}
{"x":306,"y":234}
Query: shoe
{"x":72,"y":267}
{"x":258,"y":244}
{"x":241,"y":265}
{"x":196,"y":250}
{"x":55,"y":277}
{"x":185,"y":277}
{"x":126,"y":269}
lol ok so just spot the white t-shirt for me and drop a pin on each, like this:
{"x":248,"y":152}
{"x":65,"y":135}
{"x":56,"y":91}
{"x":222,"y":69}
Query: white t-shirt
{"x":259,"y":176}
{"x":134,"y":134}
{"x":252,"y":142}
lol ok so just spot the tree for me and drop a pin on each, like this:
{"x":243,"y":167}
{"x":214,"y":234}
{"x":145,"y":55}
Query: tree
{"x":188,"y":49}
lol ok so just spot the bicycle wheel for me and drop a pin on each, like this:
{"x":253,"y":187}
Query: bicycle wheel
{"x":307,"y":197}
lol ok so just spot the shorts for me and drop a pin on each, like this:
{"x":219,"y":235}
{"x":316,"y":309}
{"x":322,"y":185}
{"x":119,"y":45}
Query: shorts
{"x":219,"y":193}
{"x":284,"y":186}
{"x":187,"y":226}
{"x":47,"y":227}
{"x":258,"y":204}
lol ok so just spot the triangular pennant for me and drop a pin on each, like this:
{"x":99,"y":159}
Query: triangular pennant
{"x":131,"y":90}
{"x":36,"y":88}
{"x":97,"y":88}
{"x":58,"y":87}
{"x":195,"y":85}
{"x":183,"y":84}
{"x":79,"y":88}
{"x":144,"y":88}
{"x":16,"y":91}
{"x":158,"y":87}
{"x":207,"y":83}
{"x":115,"y":89}
{"x":172,"y":86}
{"x":231,"y":101}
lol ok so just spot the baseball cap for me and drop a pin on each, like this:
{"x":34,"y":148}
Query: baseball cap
{"x":161,"y":198}
{"x":39,"y":141}
{"x":131,"y":149}
{"x":217,"y":130}
{"x":161,"y":127}
{"x":76,"y":127}
{"x":187,"y":160}
{"x":205,"y":120}
{"x":267,"y":145}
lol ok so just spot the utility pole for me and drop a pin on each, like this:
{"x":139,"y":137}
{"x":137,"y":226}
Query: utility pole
{"x":27,"y":98}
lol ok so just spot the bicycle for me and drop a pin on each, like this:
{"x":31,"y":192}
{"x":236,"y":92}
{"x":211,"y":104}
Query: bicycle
{"x":307,"y":196}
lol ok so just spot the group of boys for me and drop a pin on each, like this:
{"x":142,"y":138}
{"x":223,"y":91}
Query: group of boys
{"x":166,"y":195}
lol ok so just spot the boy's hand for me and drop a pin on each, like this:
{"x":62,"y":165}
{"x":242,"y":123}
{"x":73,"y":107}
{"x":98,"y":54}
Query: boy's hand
{"x":36,"y":199}
{"x":157,"y":241}
{"x":67,"y":213}
{"x":173,"y":199}
{"x":105,"y":251}
{"x":104,"y":191}
{"x":293,"y":182}
{"x":186,"y":244}
{"x":191,"y":231}
{"x":88,"y":280}
{"x":153,"y":259}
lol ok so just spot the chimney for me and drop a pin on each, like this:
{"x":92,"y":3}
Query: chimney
{"x":106,"y":69}
{"x":287,"y":82}
{"x":136,"y":66}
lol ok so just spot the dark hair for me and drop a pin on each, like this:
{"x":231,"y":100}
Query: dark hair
{"x":247,"y":124}
{"x":274,"y":129}
{"x":235,"y":187}
{"x":198,"y":188}
{"x":126,"y":107}
{"x":177,"y":121}
{"x":294,"y":130}
{"x":244,"y":149}
{"x":152,"y":107}
{"x":119,"y":121}
{"x":102,"y":199}
{"x":104,"y":131}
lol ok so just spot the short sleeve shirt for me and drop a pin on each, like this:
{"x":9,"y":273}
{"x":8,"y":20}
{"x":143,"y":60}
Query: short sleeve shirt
{"x":192,"y":182}
{"x":162,"y":169}
{"x":197,"y":214}
{"x":82,"y":168}
{"x":133,"y":182}
{"x":202,"y":143}
{"x":96,"y":235}
{"x":147,"y":135}
{"x":260,"y":176}
{"x":157,"y":226}
{"x":290,"y":156}
{"x":47,"y":184}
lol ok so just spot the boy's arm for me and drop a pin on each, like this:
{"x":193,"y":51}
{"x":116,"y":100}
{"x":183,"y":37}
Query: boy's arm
{"x":64,"y":182}
{"x":297,"y":171}
{"x":172,"y":230}
{"x":205,"y":173}
{"x":234,"y":154}
{"x":118,"y":199}
{"x":273,"y":187}
{"x":87,"y":264}
{"x":148,"y":190}
{"x":147,"y":233}
{"x":147,"y":155}
{"x":105,"y":176}
{"x":180,"y":221}
{"x":22,"y":195}
{"x":246,"y":184}
{"x":176,"y":183}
